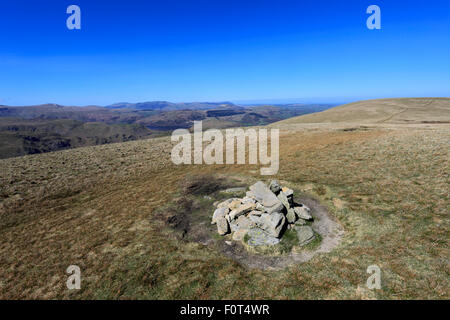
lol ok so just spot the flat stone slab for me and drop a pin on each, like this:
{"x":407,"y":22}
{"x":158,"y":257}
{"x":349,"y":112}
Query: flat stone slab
{"x":242,"y":209}
{"x":234,"y":190}
{"x":303,"y":212}
{"x":226,"y":203}
{"x":241,"y":223}
{"x":267,"y":198}
{"x":258,"y":237}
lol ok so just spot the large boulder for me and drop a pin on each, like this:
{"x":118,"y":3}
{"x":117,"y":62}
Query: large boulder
{"x":271,"y":223}
{"x":222,"y":226}
{"x":266,"y":197}
{"x":220,"y":212}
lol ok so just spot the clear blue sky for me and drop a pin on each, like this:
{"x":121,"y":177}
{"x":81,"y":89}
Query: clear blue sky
{"x":216,"y":50}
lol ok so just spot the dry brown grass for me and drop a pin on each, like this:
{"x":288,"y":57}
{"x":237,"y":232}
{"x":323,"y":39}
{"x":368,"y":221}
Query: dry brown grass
{"x":404,"y":110}
{"x":95,"y":207}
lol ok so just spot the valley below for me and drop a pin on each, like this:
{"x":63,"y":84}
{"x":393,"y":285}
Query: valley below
{"x":45,"y":128}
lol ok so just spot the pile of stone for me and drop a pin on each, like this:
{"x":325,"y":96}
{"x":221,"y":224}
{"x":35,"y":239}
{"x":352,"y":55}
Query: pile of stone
{"x":262,"y":216}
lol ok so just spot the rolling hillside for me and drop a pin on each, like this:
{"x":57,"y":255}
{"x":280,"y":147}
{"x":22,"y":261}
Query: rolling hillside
{"x":110,"y":210}
{"x":19,"y":137}
{"x":395,"y":111}
{"x":51,"y":127}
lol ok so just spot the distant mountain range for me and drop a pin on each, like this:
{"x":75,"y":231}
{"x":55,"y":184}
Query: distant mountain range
{"x":50,"y":127}
{"x":170,"y":106}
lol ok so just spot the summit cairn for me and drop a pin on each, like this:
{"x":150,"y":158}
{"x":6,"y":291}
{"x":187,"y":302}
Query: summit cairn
{"x":263,"y":215}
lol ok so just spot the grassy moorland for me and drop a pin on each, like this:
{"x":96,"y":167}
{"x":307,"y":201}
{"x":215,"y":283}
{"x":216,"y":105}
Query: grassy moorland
{"x":45,"y":128}
{"x":19,"y":137}
{"x":103,"y":208}
{"x":400,"y":111}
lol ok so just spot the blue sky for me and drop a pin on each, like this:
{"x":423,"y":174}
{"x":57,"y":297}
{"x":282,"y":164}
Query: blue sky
{"x":214,"y":50}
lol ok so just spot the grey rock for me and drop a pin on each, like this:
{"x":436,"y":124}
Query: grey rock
{"x":248,"y":200}
{"x":222,"y":226}
{"x":305,"y":234}
{"x":284,"y":200}
{"x":274,"y":186}
{"x":271,"y":223}
{"x":260,"y":207}
{"x":242,"y":209}
{"x":266,"y":197}
{"x":239,"y":234}
{"x":291,"y":217}
{"x":241,"y":223}
{"x":226,"y":203}
{"x":220,"y":212}
{"x":303,"y":212}
{"x":256,"y":213}
{"x":258,"y":237}
{"x":234,"y":190}
{"x":235,"y":204}
{"x":250,"y":194}
{"x":305,"y":207}
{"x":288,"y":192}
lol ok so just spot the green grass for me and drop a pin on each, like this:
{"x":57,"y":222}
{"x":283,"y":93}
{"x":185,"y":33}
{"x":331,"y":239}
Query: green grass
{"x":288,"y":241}
{"x":315,"y":243}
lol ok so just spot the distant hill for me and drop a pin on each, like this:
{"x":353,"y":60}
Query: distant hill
{"x":55,"y":111}
{"x":161,"y":115}
{"x":402,"y":110}
{"x":20,"y":137}
{"x":51,"y":127}
{"x":170,"y":106}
